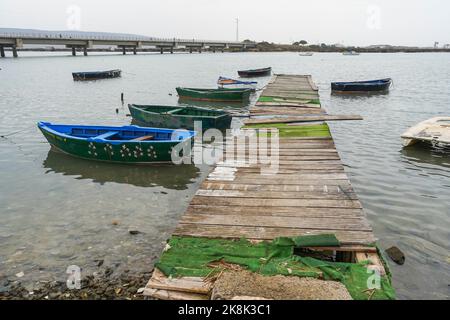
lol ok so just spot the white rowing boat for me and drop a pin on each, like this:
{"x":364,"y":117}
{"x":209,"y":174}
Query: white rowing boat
{"x":435,"y":131}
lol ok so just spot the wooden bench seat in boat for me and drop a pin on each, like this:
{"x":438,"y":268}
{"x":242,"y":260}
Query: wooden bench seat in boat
{"x":107,"y":135}
{"x":143,"y":138}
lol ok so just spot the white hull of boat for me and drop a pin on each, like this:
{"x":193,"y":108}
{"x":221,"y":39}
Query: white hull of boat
{"x":435,"y":131}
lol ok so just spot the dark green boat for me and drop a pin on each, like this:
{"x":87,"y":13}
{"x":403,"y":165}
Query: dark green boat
{"x":179,"y":117}
{"x":127,"y":144}
{"x":221,"y":94}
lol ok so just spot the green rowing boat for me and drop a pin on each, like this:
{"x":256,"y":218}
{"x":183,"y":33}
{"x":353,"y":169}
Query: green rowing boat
{"x":179,"y":117}
{"x":221,"y":94}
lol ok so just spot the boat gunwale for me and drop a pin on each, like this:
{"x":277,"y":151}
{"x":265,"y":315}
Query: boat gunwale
{"x":44,"y":126}
{"x":366,"y":82}
{"x":96,"y":72}
{"x":222,"y":115}
{"x":216,"y":90}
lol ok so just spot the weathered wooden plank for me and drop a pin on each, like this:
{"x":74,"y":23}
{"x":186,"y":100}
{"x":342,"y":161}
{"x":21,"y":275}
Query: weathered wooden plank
{"x":289,"y":159}
{"x":277,"y":194}
{"x":289,"y":170}
{"x":264,"y":233}
{"x":276,"y":211}
{"x":317,"y":144}
{"x":264,"y":181}
{"x":185,"y":284}
{"x":374,"y":259}
{"x":357,"y":224}
{"x":231,"y":161}
{"x":304,"y":110}
{"x":250,"y":202}
{"x":211,"y":185}
{"x":173,"y":295}
{"x":314,"y":140}
{"x":303,"y":119}
{"x":289,"y":152}
{"x":286,"y":177}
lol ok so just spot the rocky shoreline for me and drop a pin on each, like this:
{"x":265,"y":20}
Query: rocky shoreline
{"x":101,"y":285}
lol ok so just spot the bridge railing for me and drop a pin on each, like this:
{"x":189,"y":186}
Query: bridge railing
{"x":103,"y":37}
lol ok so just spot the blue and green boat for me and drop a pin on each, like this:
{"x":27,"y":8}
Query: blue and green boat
{"x":126,"y":144}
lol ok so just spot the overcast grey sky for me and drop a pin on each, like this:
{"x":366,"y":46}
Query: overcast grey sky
{"x":351,"y":22}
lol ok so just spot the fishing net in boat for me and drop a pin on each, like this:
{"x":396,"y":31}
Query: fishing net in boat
{"x":203,"y":257}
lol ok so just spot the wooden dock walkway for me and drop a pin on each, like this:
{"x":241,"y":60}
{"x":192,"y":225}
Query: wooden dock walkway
{"x":309,"y":195}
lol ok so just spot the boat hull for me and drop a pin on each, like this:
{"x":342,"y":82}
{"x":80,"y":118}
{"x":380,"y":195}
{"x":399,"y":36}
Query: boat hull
{"x":96,"y":75}
{"x":361,"y":86}
{"x":145,"y":115}
{"x":255,"y":73}
{"x":435,"y":131}
{"x":225,"y":95}
{"x":129,"y":152}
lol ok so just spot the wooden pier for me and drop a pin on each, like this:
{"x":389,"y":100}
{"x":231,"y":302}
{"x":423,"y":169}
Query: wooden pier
{"x":309,"y":195}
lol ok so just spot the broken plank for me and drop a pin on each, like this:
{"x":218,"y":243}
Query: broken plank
{"x":185,"y":284}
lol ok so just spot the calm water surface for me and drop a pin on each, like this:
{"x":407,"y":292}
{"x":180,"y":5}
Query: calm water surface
{"x":57,"y":211}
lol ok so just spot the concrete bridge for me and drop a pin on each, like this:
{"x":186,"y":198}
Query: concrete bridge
{"x":78,"y":40}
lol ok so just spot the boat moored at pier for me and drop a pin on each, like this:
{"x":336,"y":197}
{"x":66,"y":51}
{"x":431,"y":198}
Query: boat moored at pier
{"x":221,"y":94}
{"x":179,"y":116}
{"x":126,"y":144}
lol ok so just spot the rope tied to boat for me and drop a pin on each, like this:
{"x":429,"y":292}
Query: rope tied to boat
{"x":5,"y":136}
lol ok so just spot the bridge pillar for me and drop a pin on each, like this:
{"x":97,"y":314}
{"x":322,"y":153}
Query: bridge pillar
{"x":2,"y":51}
{"x":85,"y":51}
{"x":74,"y":51}
{"x":14,"y":50}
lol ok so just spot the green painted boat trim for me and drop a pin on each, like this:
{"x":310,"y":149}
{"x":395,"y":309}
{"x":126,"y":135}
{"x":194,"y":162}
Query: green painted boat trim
{"x":179,"y":117}
{"x":286,"y":131}
{"x":221,"y":94}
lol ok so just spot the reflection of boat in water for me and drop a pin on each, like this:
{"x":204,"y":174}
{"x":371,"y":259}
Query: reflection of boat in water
{"x":176,"y":177}
{"x":422,"y":154}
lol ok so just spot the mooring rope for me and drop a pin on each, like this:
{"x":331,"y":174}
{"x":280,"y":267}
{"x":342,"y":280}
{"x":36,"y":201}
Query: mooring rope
{"x":5,"y":136}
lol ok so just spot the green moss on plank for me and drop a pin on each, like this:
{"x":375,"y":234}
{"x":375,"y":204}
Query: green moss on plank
{"x":286,"y":131}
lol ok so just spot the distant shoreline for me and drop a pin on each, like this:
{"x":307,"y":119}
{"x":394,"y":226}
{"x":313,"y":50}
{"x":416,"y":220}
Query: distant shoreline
{"x":272,"y":48}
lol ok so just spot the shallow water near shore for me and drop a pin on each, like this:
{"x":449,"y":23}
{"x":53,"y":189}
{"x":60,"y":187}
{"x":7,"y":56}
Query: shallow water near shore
{"x":58,"y":211}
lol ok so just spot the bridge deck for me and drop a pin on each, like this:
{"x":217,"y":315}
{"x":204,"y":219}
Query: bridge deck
{"x":310,"y":194}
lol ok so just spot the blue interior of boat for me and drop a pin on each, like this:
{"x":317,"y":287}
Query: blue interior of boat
{"x":125,"y":133}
